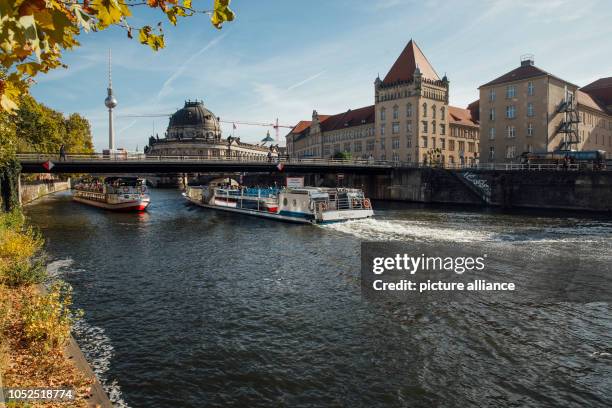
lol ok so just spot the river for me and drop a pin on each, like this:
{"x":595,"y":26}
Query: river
{"x":188,"y":307}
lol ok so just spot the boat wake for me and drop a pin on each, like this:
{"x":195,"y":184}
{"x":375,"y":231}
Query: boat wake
{"x":393,"y":230}
{"x":93,"y":342}
{"x":98,"y":350}
{"x":426,"y":231}
{"x":54,"y":269}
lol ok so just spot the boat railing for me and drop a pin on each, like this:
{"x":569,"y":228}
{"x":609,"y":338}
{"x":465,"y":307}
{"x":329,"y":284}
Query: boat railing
{"x":347,"y":203}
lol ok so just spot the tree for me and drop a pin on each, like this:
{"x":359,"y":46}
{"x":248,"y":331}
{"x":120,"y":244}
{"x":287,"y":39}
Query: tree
{"x":78,"y":135}
{"x":434,"y":157}
{"x":38,"y":128}
{"x":343,"y":155}
{"x":34,"y":33}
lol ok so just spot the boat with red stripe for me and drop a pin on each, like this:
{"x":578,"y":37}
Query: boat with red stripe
{"x":113,"y":193}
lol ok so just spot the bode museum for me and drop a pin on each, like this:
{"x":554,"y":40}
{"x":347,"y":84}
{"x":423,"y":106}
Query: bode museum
{"x":195,"y":131}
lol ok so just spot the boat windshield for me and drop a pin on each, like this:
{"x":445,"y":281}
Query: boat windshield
{"x":250,"y":191}
{"x":127,"y":182}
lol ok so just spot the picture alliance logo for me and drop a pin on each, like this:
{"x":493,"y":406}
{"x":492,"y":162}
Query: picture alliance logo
{"x":414,"y":264}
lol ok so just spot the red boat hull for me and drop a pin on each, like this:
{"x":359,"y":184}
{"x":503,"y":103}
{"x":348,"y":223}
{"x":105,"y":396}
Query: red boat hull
{"x":136,"y":206}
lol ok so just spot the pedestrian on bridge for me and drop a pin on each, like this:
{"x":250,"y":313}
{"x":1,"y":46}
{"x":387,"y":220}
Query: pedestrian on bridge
{"x":62,"y":153}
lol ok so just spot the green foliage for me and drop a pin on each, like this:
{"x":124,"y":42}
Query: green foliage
{"x":434,"y":157}
{"x":21,"y":251}
{"x":343,"y":156}
{"x":7,"y":137}
{"x":47,"y":318}
{"x":39,"y":128}
{"x":9,"y":179}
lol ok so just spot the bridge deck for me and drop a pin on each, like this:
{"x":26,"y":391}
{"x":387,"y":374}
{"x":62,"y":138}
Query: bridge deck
{"x":140,"y":163}
{"x":35,"y":163}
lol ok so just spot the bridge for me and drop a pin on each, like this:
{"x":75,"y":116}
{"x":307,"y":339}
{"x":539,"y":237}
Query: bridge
{"x":140,"y":163}
{"x":572,"y":186}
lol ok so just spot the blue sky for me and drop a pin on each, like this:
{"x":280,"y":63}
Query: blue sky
{"x":285,"y":58}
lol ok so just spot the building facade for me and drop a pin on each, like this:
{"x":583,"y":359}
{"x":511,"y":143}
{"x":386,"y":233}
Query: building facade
{"x":195,"y":131}
{"x":411,"y":121}
{"x":531,"y":110}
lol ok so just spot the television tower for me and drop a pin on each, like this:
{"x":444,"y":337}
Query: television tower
{"x":110,"y":103}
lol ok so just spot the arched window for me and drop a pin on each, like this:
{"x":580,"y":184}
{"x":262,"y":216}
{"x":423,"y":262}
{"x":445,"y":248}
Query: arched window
{"x":442,"y":112}
{"x":383,"y":114}
{"x":425,"y":110}
{"x":408,"y":109}
{"x":395,"y":112}
{"x":433,"y":111}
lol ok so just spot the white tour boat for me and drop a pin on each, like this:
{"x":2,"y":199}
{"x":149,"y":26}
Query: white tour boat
{"x":316,"y":205}
{"x":114,"y":193}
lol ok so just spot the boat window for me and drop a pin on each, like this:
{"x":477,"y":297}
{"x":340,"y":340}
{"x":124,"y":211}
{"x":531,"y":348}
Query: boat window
{"x":294,"y":203}
{"x":285,"y":201}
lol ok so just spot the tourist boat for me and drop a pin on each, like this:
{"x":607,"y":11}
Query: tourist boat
{"x":315,"y":205}
{"x":114,"y":193}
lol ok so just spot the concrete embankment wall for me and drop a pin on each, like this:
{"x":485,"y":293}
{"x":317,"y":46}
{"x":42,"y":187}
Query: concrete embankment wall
{"x":567,"y":190}
{"x":426,"y":185}
{"x":32,"y":191}
{"x":571,"y":190}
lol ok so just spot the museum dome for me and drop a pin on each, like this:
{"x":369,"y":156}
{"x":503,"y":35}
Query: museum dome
{"x":193,"y":120}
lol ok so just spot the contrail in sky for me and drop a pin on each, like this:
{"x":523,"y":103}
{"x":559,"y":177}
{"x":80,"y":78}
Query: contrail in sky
{"x":315,"y":76}
{"x":167,"y":86}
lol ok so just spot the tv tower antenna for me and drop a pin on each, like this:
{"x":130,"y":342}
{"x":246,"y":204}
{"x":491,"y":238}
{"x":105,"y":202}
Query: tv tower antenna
{"x":110,"y":102}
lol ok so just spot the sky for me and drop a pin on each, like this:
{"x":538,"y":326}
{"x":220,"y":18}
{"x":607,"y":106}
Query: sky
{"x":284,"y":58}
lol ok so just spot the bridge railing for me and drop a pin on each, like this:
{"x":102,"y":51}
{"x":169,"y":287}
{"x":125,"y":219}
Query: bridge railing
{"x":141,"y":157}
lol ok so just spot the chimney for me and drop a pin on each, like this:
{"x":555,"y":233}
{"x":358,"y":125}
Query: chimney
{"x":526,"y":60}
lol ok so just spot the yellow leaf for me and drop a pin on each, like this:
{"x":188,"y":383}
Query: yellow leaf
{"x":30,"y":68}
{"x":44,"y":20}
{"x":221,"y":13}
{"x":143,"y":34}
{"x":109,"y":12}
{"x":187,"y":4}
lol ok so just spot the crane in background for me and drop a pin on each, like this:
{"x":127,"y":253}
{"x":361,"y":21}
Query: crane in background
{"x":273,"y":125}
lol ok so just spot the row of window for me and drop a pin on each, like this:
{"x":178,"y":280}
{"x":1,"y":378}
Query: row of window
{"x":510,"y":151}
{"x":433,"y":112}
{"x":472,"y":147}
{"x":434,"y":143}
{"x":511,"y":91}
{"x":348,"y":135}
{"x":395,"y":128}
{"x":511,"y":112}
{"x":590,"y":119}
{"x":511,"y":131}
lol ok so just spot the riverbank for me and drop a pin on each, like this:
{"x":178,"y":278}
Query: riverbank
{"x":36,"y":347}
{"x":31,"y":191}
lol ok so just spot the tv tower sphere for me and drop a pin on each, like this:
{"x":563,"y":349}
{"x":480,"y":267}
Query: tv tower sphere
{"x":110,"y":101}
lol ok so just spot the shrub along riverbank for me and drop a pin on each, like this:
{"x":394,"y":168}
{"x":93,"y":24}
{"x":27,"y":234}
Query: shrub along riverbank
{"x":35,"y":322}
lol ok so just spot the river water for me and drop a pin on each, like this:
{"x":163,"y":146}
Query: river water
{"x":188,"y":307}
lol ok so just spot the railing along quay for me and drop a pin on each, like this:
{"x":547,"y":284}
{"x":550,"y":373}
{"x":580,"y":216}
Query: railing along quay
{"x":142,"y":158}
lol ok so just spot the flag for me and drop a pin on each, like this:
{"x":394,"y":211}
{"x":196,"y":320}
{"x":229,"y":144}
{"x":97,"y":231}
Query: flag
{"x":280,"y":166}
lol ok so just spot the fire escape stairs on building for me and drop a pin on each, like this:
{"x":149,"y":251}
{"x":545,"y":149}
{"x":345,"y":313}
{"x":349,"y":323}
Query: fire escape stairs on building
{"x":568,"y":125}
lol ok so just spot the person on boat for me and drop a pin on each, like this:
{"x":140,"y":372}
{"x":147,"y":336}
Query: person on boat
{"x":270,"y":157}
{"x":62,"y":153}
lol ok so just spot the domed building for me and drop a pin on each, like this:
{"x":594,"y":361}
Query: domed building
{"x":195,"y":131}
